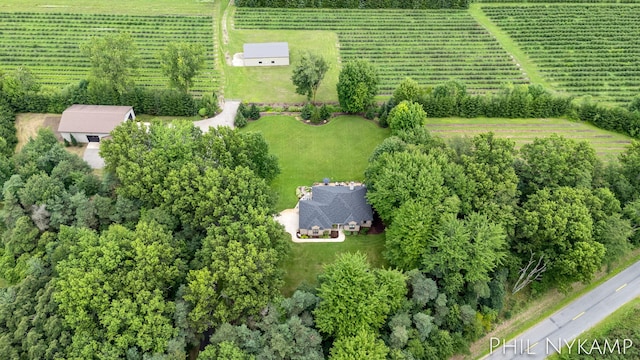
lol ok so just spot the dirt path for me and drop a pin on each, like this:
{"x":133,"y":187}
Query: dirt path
{"x":225,"y":34}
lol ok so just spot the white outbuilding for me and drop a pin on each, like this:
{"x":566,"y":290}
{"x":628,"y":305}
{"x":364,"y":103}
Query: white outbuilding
{"x":266,"y":54}
{"x":90,"y":123}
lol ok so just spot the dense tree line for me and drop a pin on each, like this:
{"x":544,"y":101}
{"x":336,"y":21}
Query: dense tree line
{"x":357,"y":4}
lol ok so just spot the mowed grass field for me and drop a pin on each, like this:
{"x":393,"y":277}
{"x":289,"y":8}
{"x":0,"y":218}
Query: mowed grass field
{"x":338,"y":150}
{"x":606,"y":143}
{"x":308,"y":259}
{"x":272,"y":84}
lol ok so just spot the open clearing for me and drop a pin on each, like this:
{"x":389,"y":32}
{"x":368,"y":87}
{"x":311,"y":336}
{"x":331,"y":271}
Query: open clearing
{"x":606,"y":143}
{"x":308,"y":153}
{"x":308,"y":259}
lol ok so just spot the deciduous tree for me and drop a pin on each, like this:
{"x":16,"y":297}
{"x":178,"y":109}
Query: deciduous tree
{"x":406,"y":116}
{"x":556,"y":161}
{"x":308,"y":73}
{"x":362,"y":345}
{"x":357,"y":86}
{"x":558,"y":224}
{"x":354,"y":298}
{"x":114,"y":60}
{"x":181,"y":62}
{"x":464,"y":252}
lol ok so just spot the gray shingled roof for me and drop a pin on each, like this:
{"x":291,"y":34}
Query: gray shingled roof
{"x":98,"y":119}
{"x":334,"y":205}
{"x":266,"y":50}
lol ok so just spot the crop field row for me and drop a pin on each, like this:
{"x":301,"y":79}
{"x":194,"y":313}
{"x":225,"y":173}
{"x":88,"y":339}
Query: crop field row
{"x":48,"y":44}
{"x":582,"y":49}
{"x":429,"y":46}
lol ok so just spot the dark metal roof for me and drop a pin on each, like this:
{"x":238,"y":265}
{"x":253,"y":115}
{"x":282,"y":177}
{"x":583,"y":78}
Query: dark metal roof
{"x":266,"y":50}
{"x":334,"y":205}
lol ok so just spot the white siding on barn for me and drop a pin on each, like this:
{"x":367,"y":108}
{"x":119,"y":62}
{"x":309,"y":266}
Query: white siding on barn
{"x":80,"y":137}
{"x":266,"y":62}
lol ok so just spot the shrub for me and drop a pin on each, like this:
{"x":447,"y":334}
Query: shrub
{"x":74,"y":142}
{"x":315,"y":115}
{"x":254,"y":112}
{"x":210,"y":104}
{"x":364,"y":230}
{"x":66,"y":143}
{"x":240,"y":121}
{"x":325,"y":114}
{"x":370,"y":113}
{"x":242,"y":108}
{"x":202,"y":112}
{"x":307,"y":111}
{"x":382,"y":119}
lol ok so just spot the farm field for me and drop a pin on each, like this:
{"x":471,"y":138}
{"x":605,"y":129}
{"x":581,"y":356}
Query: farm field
{"x":137,"y":7}
{"x":582,"y":49}
{"x":307,"y":153}
{"x":606,"y":143}
{"x":430,"y":46}
{"x":307,"y":259}
{"x":48,"y":44}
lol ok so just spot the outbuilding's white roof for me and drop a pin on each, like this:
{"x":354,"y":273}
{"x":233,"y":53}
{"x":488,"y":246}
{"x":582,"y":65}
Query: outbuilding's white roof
{"x":266,"y":50}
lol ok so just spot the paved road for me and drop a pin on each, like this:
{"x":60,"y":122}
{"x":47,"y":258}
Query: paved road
{"x":566,"y":325}
{"x":225,"y":118}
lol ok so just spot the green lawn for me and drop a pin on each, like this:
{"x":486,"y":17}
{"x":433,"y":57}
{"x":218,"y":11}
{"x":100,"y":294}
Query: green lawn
{"x":308,"y":259}
{"x":273,"y":84}
{"x":606,"y":143}
{"x":307,"y":153}
{"x":137,"y":7}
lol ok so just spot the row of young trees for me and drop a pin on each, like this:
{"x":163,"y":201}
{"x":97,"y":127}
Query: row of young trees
{"x":357,"y":4}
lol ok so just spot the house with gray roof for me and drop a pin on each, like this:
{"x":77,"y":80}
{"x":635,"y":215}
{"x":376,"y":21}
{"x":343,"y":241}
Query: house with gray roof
{"x":334,"y":207}
{"x":90,"y":123}
{"x":266,"y":54}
